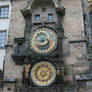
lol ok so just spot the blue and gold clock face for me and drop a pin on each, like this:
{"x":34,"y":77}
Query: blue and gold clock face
{"x":43,"y":73}
{"x":43,"y":40}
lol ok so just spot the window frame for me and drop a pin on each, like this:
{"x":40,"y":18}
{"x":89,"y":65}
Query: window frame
{"x":4,"y":39}
{"x":20,"y":48}
{"x":36,"y":20}
{"x":5,"y":13}
{"x":49,"y":15}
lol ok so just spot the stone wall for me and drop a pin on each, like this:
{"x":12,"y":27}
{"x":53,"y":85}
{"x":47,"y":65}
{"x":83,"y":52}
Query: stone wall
{"x":17,"y":22}
{"x":17,"y":27}
{"x":74,"y":43}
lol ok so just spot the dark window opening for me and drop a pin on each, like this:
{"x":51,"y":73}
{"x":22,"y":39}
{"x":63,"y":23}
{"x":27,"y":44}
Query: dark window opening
{"x":19,"y":46}
{"x":50,"y":17}
{"x":2,"y":38}
{"x":43,"y":9}
{"x":58,"y":1}
{"x":37,"y":18}
{"x":4,"y":11}
{"x":9,"y":89}
{"x":20,"y":49}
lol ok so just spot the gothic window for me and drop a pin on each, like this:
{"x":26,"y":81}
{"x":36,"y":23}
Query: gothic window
{"x":37,"y":17}
{"x":2,"y":38}
{"x":4,"y":11}
{"x":50,"y":17}
{"x":19,"y":48}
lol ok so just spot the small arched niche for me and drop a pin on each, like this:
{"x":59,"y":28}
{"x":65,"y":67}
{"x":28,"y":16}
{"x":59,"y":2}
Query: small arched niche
{"x":36,"y":3}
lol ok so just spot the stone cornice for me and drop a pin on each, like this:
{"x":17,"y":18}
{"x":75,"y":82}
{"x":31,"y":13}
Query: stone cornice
{"x":27,"y":10}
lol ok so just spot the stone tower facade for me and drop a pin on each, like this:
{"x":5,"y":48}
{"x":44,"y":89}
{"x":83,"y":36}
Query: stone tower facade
{"x":47,"y":47}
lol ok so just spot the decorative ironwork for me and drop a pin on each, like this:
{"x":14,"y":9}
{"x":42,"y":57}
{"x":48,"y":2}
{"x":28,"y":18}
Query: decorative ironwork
{"x":18,"y":55}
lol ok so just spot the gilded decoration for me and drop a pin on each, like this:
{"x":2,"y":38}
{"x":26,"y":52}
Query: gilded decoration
{"x":43,"y":40}
{"x":27,"y":70}
{"x":43,"y":73}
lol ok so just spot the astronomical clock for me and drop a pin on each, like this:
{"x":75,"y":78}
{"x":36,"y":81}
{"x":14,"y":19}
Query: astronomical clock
{"x":43,"y":40}
{"x":43,"y":53}
{"x":44,"y":69}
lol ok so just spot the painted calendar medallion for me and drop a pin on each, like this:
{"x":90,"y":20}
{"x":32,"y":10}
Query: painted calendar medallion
{"x":43,"y":73}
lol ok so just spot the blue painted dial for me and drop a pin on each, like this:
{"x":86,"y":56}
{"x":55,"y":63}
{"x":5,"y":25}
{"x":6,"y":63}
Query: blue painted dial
{"x":43,"y":40}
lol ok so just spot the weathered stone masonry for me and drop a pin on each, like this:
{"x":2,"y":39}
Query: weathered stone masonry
{"x":77,"y":76}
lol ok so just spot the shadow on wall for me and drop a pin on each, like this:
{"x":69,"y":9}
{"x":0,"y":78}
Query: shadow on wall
{"x":1,"y":77}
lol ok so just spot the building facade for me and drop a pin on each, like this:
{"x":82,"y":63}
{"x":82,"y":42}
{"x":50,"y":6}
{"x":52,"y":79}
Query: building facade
{"x":5,"y":7}
{"x":49,"y":46}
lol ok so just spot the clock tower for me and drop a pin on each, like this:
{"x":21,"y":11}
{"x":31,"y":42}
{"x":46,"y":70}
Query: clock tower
{"x":43,"y":59}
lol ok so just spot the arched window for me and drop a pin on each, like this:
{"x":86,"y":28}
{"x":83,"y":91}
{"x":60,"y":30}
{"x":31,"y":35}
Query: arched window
{"x":90,"y":20}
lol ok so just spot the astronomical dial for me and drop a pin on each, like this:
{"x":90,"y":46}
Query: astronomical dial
{"x":43,"y":73}
{"x":43,"y":40}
